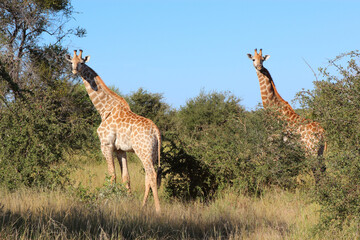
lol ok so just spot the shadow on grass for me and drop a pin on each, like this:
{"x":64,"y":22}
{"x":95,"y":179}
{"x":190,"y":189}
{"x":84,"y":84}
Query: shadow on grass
{"x":94,"y":223}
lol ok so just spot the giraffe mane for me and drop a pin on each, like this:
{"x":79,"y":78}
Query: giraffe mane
{"x":108,"y":90}
{"x":276,"y":92}
{"x":112,"y":93}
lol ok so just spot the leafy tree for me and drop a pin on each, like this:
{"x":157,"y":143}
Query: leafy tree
{"x":217,"y":144}
{"x":31,"y":147}
{"x":152,"y":106}
{"x":207,"y":109}
{"x":22,"y":24}
{"x":335,"y":100}
{"x":276,"y":156}
{"x":43,"y":113}
{"x":56,"y":117}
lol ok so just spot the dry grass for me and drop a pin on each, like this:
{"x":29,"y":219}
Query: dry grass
{"x":42,"y":215}
{"x":92,"y":175}
{"x":48,"y":214}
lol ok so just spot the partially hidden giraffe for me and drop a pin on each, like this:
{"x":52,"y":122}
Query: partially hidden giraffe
{"x":121,"y":130}
{"x":311,"y":133}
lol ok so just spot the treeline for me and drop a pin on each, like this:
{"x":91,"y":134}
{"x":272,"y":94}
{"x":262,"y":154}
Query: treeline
{"x":209,"y":144}
{"x":212,"y":143}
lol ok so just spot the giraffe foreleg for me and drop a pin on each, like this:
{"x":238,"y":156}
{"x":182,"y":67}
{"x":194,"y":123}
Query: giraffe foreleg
{"x":107,"y":151}
{"x":121,"y":156}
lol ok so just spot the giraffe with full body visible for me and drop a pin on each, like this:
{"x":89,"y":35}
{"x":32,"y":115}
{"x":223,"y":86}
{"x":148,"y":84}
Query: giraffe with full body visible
{"x":121,"y":130}
{"x":311,"y":133}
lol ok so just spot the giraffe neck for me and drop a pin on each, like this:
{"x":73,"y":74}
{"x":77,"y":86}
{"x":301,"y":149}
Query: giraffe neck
{"x":101,"y":96}
{"x":271,"y":97}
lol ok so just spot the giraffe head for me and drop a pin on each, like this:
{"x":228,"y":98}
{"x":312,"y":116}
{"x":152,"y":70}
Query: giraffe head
{"x":77,"y":61}
{"x":258,"y":59}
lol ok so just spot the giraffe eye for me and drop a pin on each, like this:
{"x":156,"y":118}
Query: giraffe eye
{"x":253,"y":60}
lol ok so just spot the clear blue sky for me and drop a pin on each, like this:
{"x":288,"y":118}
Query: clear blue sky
{"x":178,"y":47}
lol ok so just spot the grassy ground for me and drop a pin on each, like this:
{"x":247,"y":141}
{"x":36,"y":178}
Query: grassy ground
{"x":80,"y":214}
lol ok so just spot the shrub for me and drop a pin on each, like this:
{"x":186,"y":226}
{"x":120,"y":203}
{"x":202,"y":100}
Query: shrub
{"x":31,"y":148}
{"x":218,"y":145}
{"x":335,"y":100}
{"x":54,"y":117}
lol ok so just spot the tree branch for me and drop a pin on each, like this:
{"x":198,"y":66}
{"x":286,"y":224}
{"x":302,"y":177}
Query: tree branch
{"x":310,"y":68}
{"x":12,"y":85}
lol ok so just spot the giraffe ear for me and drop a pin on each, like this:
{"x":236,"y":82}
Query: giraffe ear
{"x":249,"y":56}
{"x":68,"y":57}
{"x":266,"y":57}
{"x":87,"y":58}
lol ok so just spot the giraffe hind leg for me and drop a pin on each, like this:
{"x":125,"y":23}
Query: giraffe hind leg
{"x":154,"y":189}
{"x":150,"y":182}
{"x":147,"y":189}
{"x":147,"y":154}
{"x":150,"y":179}
{"x":121,"y":156}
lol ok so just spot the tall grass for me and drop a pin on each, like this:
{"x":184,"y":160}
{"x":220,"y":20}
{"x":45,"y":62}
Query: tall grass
{"x":45,"y":214}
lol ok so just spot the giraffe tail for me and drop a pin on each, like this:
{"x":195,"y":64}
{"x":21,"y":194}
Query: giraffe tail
{"x":159,"y":169}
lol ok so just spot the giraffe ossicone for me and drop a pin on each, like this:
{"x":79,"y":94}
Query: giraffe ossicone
{"x":311,"y":133}
{"x":121,"y":130}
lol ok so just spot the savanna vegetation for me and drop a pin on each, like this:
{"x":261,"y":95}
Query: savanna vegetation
{"x":228,"y":173}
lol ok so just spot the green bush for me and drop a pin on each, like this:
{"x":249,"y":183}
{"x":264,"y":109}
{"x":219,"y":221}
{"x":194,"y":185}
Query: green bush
{"x":31,"y":150}
{"x":152,"y":106}
{"x":186,"y":176}
{"x":274,"y":156}
{"x":335,"y":100}
{"x":108,"y":190}
{"x":217,"y":145}
{"x":339,"y":193}
{"x":54,"y":117}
